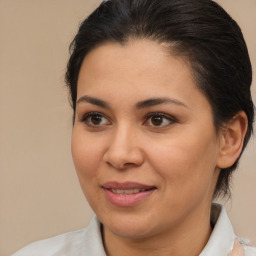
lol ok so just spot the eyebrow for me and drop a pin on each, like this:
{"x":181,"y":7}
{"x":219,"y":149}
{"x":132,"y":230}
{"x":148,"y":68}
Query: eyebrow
{"x":142,"y":104}
{"x":158,"y":101}
{"x":94,"y":101}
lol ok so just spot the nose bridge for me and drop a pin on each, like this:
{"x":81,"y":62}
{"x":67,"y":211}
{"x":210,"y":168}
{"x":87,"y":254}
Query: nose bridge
{"x":124,"y":149}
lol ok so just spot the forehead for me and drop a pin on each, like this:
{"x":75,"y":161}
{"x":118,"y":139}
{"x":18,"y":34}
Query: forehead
{"x":138,"y":70}
{"x":141,"y":59}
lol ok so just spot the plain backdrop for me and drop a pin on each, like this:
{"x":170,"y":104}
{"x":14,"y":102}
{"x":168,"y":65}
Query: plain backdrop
{"x":39,"y":192}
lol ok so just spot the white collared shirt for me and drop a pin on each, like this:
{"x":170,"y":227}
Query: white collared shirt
{"x":88,"y":241}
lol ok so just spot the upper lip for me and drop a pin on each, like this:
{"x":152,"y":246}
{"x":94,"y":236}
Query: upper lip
{"x":126,"y":185}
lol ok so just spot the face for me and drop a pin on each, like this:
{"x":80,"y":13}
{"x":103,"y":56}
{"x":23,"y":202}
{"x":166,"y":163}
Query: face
{"x":144,"y":144}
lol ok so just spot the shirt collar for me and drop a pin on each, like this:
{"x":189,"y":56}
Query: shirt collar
{"x":222,"y":238}
{"x":93,"y":244}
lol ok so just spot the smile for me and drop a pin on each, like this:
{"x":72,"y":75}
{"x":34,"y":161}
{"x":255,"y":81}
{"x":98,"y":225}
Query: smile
{"x":127,"y":191}
{"x":127,"y":194}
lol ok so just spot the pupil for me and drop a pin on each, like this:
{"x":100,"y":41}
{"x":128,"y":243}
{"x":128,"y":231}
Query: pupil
{"x":157,"y":120}
{"x":96,"y":119}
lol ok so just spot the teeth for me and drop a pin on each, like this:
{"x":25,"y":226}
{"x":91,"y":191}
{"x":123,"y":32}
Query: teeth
{"x":127,"y":191}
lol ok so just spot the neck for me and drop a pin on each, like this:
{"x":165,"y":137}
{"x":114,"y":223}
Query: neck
{"x":187,"y":239}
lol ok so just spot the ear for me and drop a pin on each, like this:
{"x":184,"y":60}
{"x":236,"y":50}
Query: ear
{"x":232,"y":139}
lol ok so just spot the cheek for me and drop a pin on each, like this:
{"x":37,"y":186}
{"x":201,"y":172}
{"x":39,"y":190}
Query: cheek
{"x":86,"y":154}
{"x":186,"y":163}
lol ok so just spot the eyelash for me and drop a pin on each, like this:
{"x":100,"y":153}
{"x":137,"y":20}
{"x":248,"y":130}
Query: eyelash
{"x":85,"y":119}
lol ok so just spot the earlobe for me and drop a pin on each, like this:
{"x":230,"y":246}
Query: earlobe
{"x":232,"y":138}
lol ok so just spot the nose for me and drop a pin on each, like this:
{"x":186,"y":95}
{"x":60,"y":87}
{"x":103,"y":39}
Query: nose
{"x":123,"y":150}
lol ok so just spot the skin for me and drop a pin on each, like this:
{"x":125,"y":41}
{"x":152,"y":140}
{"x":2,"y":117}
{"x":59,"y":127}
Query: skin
{"x":181,"y":156}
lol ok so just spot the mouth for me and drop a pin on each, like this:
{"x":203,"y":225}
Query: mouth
{"x":127,"y":191}
{"x":127,"y":194}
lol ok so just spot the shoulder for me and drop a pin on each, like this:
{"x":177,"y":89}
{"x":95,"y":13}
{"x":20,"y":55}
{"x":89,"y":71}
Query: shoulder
{"x":249,"y":250}
{"x":241,"y":248}
{"x":59,"y":245}
{"x":87,"y":241}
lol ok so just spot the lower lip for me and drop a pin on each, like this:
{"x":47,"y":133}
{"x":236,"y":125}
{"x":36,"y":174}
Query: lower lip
{"x":127,"y":200}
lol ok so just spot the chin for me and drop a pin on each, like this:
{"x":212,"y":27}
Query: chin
{"x":130,"y":232}
{"x":129,"y":225}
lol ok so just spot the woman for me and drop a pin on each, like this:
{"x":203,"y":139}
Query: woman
{"x":162,"y":113}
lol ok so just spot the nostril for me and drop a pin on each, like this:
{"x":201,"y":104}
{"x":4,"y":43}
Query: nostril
{"x":126,"y":165}
{"x":119,"y":166}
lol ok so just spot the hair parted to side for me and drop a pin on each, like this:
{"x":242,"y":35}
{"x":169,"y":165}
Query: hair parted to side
{"x":200,"y":31}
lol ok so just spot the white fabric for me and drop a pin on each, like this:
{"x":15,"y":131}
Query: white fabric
{"x":88,"y":242}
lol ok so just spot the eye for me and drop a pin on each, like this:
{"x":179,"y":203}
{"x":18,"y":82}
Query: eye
{"x":159,"y":120}
{"x":95,"y":119}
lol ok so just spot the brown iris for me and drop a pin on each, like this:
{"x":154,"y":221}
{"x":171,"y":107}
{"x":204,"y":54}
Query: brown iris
{"x":157,"y":120}
{"x":96,"y":119}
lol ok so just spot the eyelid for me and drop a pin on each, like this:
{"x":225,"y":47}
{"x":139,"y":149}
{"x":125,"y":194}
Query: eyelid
{"x":90,"y":114}
{"x":160,"y":114}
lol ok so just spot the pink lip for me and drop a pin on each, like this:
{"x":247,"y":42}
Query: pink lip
{"x":125,"y":185}
{"x":126,"y":200}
